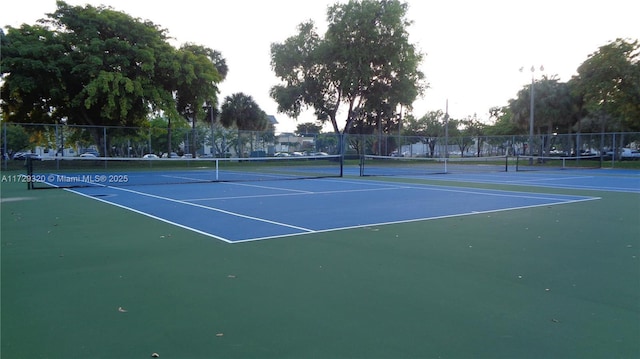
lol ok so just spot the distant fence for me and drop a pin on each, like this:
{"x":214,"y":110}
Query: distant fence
{"x":51,"y":140}
{"x":607,"y":145}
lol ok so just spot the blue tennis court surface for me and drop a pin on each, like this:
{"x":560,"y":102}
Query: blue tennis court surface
{"x":247,"y":211}
{"x":597,"y":180}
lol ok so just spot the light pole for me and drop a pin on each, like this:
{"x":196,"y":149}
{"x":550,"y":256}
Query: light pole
{"x":531,"y":111}
{"x":446,"y":130}
{"x":64,"y":123}
{"x":209,"y":107}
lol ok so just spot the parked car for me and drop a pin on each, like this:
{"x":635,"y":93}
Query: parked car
{"x":150,"y":156}
{"x":403,"y":154}
{"x":90,"y":153}
{"x":171,"y":155}
{"x":24,"y":155}
{"x":629,"y":154}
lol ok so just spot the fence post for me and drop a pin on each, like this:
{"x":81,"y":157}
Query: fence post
{"x":5,"y":155}
{"x":104,"y":140}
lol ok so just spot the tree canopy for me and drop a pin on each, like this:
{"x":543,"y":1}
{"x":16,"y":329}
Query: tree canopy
{"x":603,"y":96}
{"x":608,"y":83}
{"x":553,"y":106}
{"x":97,"y":66}
{"x":308,"y":129}
{"x":243,"y":112}
{"x":364,"y":61}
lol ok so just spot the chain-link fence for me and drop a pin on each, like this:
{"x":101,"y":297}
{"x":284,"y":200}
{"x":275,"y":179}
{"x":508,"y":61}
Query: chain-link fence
{"x":562,"y":145}
{"x":20,"y":140}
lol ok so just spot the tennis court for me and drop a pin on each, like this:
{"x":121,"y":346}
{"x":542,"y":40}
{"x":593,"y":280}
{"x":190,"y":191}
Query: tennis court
{"x":488,"y":264}
{"x":237,"y":212}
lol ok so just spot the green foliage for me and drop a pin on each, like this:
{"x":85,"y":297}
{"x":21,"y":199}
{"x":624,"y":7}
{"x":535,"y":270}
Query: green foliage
{"x":608,"y":83}
{"x":430,"y":125}
{"x":158,"y":132}
{"x":97,"y":66}
{"x":243,"y":112}
{"x":195,"y":80}
{"x":327,"y":143}
{"x":427,"y":128}
{"x":502,"y":122}
{"x":603,"y":97}
{"x":472,"y":130}
{"x":32,"y":66}
{"x":17,"y":139}
{"x":553,"y":106}
{"x":364,"y":61}
{"x":308,"y":128}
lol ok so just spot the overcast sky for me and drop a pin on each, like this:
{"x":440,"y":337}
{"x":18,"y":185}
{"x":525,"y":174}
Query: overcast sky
{"x":474,"y":49}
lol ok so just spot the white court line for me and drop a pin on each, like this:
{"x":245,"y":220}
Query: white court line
{"x":302,"y":193}
{"x":551,"y":179}
{"x":550,"y":185}
{"x":265,"y":187}
{"x":414,"y":220}
{"x":305,"y":231}
{"x":505,"y":194}
{"x":214,"y":209}
{"x":150,"y":216}
{"x":296,"y":192}
{"x":489,"y":192}
{"x":198,"y":206}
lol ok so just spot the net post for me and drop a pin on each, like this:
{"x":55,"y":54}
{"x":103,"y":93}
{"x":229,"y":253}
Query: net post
{"x":341,"y":139}
{"x":29,"y":165}
{"x":5,"y":155}
{"x":506,"y":163}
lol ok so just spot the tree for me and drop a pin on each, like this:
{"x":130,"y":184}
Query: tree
{"x":502,"y":122}
{"x":17,"y":139}
{"x":158,"y":133}
{"x":100,"y":67}
{"x":609,"y":84}
{"x":459,"y":134}
{"x":241,"y":111}
{"x":554,"y":107}
{"x":196,"y":85}
{"x":327,"y":142}
{"x":364,"y":61}
{"x":474,"y":128}
{"x":308,"y":129}
{"x":427,"y":128}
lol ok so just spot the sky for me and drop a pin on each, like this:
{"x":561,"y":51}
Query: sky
{"x":474,"y":50}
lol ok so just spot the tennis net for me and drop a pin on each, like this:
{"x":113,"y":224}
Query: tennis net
{"x":70,"y":172}
{"x":548,"y":163}
{"x":372,"y":165}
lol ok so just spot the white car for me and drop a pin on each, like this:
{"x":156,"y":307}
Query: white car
{"x":629,"y":154}
{"x":150,"y":156}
